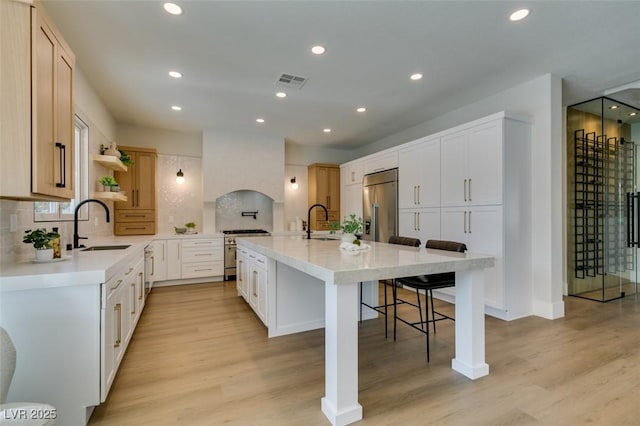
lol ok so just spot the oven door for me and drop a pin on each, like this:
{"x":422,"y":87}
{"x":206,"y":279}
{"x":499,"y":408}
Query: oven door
{"x":229,"y":260}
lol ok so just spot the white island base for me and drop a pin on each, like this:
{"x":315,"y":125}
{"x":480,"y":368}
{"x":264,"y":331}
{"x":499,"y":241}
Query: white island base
{"x":299,"y":271}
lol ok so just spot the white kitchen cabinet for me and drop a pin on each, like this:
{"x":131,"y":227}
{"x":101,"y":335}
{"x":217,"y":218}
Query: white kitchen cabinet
{"x":352,"y":201}
{"x":202,"y":258}
{"x":174,"y":259}
{"x":258,"y":296}
{"x":423,"y":224}
{"x":351,"y":189}
{"x":112,"y":334}
{"x":471,"y":168}
{"x":352,"y":173}
{"x":187,"y":260}
{"x":242,"y":282}
{"x":159,"y":261}
{"x":379,"y":162}
{"x":481,"y":229}
{"x":419,"y":175}
{"x":253,"y":277}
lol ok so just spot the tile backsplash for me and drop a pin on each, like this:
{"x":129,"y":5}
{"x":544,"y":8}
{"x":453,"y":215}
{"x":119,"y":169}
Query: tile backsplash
{"x":179,"y":203}
{"x":229,"y":208}
{"x":12,"y":249}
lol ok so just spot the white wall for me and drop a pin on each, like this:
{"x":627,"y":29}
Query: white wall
{"x":233,"y":161}
{"x":539,"y":102}
{"x":187,"y":144}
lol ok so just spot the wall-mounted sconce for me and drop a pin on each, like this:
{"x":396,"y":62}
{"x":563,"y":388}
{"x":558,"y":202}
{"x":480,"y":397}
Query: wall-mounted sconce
{"x":180,"y":176}
{"x":294,"y":184}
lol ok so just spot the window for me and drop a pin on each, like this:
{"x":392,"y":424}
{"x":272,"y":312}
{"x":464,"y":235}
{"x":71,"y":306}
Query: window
{"x":55,"y":212}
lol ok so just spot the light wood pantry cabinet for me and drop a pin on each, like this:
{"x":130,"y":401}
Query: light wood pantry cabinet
{"x":36,"y":107}
{"x":324,"y":188}
{"x":137,"y":215}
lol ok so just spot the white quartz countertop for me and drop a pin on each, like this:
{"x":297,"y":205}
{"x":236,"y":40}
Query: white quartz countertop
{"x":78,"y":267}
{"x":325,"y":260}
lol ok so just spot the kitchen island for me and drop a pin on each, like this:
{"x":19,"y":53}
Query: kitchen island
{"x":294,"y":263}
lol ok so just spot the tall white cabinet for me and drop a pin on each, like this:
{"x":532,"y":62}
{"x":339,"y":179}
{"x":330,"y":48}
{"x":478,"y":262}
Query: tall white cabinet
{"x":472,"y":184}
{"x":351,"y":175}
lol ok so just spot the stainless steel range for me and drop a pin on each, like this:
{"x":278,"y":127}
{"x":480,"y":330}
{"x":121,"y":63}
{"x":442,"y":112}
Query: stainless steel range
{"x":230,"y":247}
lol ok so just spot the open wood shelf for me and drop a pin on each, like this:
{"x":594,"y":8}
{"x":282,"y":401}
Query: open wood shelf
{"x":110,"y":196}
{"x":110,"y":162}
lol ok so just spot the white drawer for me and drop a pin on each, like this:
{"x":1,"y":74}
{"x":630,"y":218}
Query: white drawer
{"x":202,"y":254}
{"x":200,"y":243}
{"x":203,"y":269}
{"x":261,"y":258}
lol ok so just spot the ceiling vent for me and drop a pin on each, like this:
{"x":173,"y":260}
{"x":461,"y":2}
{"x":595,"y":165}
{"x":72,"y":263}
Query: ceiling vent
{"x":290,"y":80}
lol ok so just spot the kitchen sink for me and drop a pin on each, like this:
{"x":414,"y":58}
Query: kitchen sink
{"x":99,"y":248}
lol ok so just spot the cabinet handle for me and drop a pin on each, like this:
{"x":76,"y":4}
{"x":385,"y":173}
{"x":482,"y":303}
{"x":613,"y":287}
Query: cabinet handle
{"x":418,"y":195}
{"x":117,"y":285}
{"x":203,"y":254}
{"x":465,"y":190}
{"x":415,"y":198}
{"x":202,"y":270}
{"x":465,"y":222}
{"x":134,"y":215}
{"x":153,"y":266}
{"x":418,"y":222}
{"x":141,"y":295}
{"x":353,"y":176}
{"x":118,"y":309}
{"x":328,"y":202}
{"x":470,"y":219}
{"x":133,"y":298}
{"x":63,"y":165}
{"x":469,"y":191}
{"x":254,"y":284}
{"x":134,"y":227}
{"x":129,"y":271}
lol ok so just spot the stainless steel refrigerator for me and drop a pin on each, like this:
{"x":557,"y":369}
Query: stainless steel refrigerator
{"x":380,"y":205}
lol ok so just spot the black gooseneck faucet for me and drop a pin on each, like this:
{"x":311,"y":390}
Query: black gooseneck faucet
{"x":326,"y":216}
{"x":76,"y":237}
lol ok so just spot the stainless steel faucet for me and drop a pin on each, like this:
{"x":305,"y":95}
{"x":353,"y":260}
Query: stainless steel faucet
{"x":326,"y":216}
{"x":76,"y":237}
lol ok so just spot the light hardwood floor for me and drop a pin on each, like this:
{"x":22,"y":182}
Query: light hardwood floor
{"x":201,"y":357}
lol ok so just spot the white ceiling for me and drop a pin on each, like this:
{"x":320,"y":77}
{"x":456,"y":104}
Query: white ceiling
{"x":232,"y":52}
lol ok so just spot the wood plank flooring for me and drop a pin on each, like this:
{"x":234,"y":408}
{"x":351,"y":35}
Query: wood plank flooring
{"x":200,"y":356}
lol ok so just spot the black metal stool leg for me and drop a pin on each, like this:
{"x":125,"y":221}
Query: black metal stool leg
{"x":433,"y":311}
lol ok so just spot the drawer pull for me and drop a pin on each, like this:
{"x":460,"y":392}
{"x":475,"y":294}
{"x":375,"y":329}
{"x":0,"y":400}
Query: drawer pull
{"x":118,"y":309}
{"x":202,"y":270}
{"x":116,"y":286}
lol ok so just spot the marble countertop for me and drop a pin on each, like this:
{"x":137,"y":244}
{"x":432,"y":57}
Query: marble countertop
{"x":325,"y":260}
{"x":78,"y":267}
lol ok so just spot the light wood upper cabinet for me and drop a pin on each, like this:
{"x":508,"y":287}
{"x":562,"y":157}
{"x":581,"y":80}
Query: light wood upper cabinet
{"x":36,"y":107}
{"x":137,"y":215}
{"x":324,"y":188}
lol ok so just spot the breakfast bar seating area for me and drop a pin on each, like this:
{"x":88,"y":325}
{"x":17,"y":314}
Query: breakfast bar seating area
{"x":296,"y":266}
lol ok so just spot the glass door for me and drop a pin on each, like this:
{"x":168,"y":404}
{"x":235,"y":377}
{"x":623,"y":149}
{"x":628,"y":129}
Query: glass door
{"x":603,"y":203}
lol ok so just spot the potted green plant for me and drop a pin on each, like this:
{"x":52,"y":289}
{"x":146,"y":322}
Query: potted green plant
{"x":350,"y":226}
{"x":109,"y":183}
{"x":191,"y":226}
{"x":42,"y":240}
{"x":125,"y":158}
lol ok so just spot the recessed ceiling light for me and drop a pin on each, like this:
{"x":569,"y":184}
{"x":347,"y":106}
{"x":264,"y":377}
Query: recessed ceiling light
{"x":318,"y":50}
{"x":259,"y":120}
{"x":175,"y":74}
{"x":176,"y":108}
{"x":518,"y":15}
{"x":281,"y":95}
{"x":613,"y":107}
{"x":361,"y":109}
{"x":172,"y":8}
{"x":416,"y":76}
{"x":633,"y":114}
{"x":326,"y":130}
